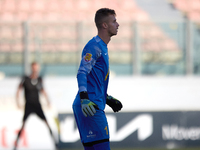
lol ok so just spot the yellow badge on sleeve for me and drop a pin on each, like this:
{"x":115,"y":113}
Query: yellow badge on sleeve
{"x":88,"y":57}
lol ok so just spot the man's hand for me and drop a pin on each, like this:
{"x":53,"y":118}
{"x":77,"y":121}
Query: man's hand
{"x":115,"y":104}
{"x":19,"y":106}
{"x":87,"y":106}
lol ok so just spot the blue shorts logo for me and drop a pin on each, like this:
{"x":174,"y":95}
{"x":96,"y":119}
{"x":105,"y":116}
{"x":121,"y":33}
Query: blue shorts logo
{"x":91,"y":134}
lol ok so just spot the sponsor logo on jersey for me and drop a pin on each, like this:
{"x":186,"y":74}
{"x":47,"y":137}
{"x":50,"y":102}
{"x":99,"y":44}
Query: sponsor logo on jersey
{"x":88,"y":57}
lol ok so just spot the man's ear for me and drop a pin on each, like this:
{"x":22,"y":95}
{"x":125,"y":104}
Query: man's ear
{"x":104,"y":25}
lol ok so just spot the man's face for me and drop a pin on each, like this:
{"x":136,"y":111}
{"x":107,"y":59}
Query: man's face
{"x":112,"y":25}
{"x":35,"y":68}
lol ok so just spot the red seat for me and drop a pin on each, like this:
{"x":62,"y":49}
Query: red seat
{"x":181,"y":5}
{"x":7,"y":16}
{"x":5,"y":47}
{"x":22,"y":16}
{"x":195,"y":5}
{"x":53,"y":6}
{"x":38,"y":5}
{"x":9,"y":6}
{"x":23,"y":6}
{"x":194,"y":16}
{"x":37,"y":16}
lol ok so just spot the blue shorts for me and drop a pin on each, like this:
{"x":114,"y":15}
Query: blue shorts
{"x":93,"y":128}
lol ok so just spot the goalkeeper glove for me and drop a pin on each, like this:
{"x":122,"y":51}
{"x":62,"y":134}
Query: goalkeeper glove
{"x":87,"y":106}
{"x":115,"y":104}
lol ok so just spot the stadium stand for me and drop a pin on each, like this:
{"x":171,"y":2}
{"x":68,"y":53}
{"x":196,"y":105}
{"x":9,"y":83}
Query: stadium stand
{"x":59,"y":28}
{"x":190,"y":9}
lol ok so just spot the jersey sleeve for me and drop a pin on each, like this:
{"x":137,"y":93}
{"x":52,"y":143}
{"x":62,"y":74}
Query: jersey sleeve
{"x":22,"y":81}
{"x":89,"y":58}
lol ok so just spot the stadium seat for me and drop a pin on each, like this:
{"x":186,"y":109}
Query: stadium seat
{"x":7,"y":16}
{"x":23,"y":6}
{"x":21,"y":16}
{"x":194,"y":15}
{"x":190,"y":8}
{"x":37,"y":16}
{"x":195,"y":5}
{"x":180,"y":5}
{"x":9,"y":6}
{"x":38,"y":5}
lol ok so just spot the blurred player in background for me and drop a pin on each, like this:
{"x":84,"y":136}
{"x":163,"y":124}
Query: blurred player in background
{"x":92,"y":77}
{"x":32,"y":86}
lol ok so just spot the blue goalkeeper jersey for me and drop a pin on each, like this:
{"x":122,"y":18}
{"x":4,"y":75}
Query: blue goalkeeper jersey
{"x":93,"y":72}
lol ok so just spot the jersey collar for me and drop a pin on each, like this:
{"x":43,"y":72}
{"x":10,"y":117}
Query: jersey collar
{"x":98,"y":39}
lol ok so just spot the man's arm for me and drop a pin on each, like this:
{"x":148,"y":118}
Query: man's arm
{"x":87,"y":106}
{"x":88,"y":60}
{"x":43,"y":91}
{"x":46,"y":96}
{"x":19,"y":89}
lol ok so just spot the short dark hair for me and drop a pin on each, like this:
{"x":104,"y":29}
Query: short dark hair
{"x":101,"y":14}
{"x":34,"y":63}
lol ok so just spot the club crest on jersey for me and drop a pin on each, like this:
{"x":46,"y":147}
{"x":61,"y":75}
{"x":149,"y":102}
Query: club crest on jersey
{"x":88,"y":57}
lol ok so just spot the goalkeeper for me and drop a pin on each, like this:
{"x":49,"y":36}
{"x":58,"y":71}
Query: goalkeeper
{"x":92,"y":77}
